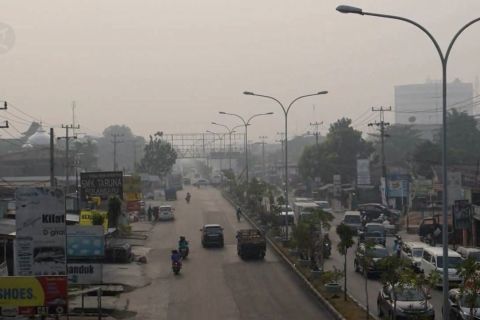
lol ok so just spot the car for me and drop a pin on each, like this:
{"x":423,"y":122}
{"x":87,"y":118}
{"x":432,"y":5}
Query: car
{"x":165,"y":213}
{"x":411,"y":303}
{"x":374,"y":232}
{"x":187,"y":181}
{"x":370,"y":258}
{"x":212,"y":235}
{"x":413,"y":252}
{"x":459,"y":308}
{"x":353,"y":220}
{"x":467,"y":252}
{"x":201,"y":182}
{"x":374,"y":211}
{"x":324,"y":205}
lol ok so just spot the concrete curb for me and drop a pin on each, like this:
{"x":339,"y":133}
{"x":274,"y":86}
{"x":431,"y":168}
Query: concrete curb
{"x":285,"y":259}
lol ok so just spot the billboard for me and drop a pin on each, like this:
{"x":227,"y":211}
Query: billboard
{"x":85,"y":273}
{"x":40,"y":295}
{"x":101,"y":184}
{"x":40,"y":238}
{"x":363,"y":172}
{"x":85,"y":242}
{"x":398,"y":188}
{"x":86,"y":218}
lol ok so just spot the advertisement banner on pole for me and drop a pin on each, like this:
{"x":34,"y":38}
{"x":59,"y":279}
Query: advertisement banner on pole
{"x":85,"y":273}
{"x":101,"y":184}
{"x":40,"y":295}
{"x":363,"y":172}
{"x":85,"y":242}
{"x":86,"y":218}
{"x":383,"y":191}
{"x":41,"y":232}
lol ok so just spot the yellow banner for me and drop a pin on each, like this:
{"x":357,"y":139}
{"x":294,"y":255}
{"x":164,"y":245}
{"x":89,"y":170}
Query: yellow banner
{"x":86,"y":218}
{"x":21,"y":292}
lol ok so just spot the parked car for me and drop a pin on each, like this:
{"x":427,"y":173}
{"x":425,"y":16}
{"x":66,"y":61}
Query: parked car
{"x":373,"y":257}
{"x":201,"y":182}
{"x":413,"y":251}
{"x":410,"y":303}
{"x":432,"y":261}
{"x":353,"y":220}
{"x":373,"y":232}
{"x":374,"y":211}
{"x":212,"y":235}
{"x":466,"y":253}
{"x":459,"y":308}
{"x":165,"y":213}
{"x":324,"y":205}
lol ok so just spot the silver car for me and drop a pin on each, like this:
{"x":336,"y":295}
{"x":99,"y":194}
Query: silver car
{"x":411,"y":303}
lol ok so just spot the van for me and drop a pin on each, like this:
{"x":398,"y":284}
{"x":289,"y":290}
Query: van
{"x":432,"y":261}
{"x":300,"y":209}
{"x":353,"y":220}
{"x":413,"y":252}
{"x":467,"y":252}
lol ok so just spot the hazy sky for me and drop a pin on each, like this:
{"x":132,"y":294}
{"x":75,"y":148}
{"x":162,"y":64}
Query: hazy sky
{"x":172,"y":65}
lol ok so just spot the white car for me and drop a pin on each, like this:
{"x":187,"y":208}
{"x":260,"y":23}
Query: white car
{"x":165,"y":212}
{"x":413,"y":251}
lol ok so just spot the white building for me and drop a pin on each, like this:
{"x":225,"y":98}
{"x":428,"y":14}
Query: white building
{"x":422,"y":103}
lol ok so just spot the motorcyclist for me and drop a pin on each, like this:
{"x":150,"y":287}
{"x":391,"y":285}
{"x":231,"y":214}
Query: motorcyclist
{"x":239,"y":213}
{"x":182,"y":243}
{"x":176,"y":257}
{"x":188,"y":197}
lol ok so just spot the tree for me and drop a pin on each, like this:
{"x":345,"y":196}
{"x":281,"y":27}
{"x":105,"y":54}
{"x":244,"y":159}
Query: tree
{"x":425,"y":155}
{"x":114,"y":211}
{"x":469,"y":271}
{"x":400,"y":143}
{"x":395,"y":274}
{"x":159,"y":156}
{"x":97,"y":219}
{"x":337,"y":155}
{"x":87,"y":152}
{"x":346,"y":242}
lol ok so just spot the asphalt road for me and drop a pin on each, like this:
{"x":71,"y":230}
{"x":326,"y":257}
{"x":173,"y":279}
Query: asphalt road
{"x":215,"y":283}
{"x":356,"y":282}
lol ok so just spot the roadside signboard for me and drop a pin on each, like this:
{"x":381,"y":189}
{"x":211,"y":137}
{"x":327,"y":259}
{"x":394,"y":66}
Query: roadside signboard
{"x":85,"y":242}
{"x":40,"y":238}
{"x":85,"y":273}
{"x":101,"y":184}
{"x":40,"y":295}
{"x":86,"y":218}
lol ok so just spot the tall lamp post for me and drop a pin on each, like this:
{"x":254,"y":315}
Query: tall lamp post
{"x":444,"y":62}
{"x":246,"y":123}
{"x":229,"y":132}
{"x":285,"y":112}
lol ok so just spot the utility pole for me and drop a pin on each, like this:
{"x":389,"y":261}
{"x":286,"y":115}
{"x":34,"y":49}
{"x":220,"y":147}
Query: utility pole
{"x":282,"y":144}
{"x":263,"y":155}
{"x":52,"y":158}
{"x":115,"y":141}
{"x":316,"y":133}
{"x":382,"y":125}
{"x":67,"y":138}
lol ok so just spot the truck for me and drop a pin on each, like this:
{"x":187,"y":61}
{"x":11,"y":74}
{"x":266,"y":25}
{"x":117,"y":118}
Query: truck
{"x":251,"y":243}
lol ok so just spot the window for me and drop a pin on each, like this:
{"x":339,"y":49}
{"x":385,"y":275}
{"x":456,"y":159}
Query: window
{"x":427,"y":256}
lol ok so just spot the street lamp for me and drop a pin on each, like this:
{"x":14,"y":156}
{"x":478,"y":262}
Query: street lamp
{"x":444,"y":62}
{"x":229,"y":131}
{"x":246,"y":124}
{"x":285,"y":112}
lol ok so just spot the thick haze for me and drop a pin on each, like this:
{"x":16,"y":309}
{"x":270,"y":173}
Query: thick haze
{"x":172,"y":65}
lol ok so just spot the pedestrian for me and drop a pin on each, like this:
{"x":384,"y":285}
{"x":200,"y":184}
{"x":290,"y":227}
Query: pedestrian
{"x":149,"y":213}
{"x":239,"y":212}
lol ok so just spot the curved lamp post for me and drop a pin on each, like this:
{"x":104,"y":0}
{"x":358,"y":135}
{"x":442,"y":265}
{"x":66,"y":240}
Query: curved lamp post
{"x":246,"y":123}
{"x":229,"y":132}
{"x":444,"y":62}
{"x":285,"y":112}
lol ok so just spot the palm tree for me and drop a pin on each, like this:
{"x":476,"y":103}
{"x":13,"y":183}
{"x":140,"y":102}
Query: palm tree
{"x":346,"y":241}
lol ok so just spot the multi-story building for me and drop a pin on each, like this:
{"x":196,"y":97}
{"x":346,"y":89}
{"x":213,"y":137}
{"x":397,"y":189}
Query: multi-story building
{"x":421,"y":104}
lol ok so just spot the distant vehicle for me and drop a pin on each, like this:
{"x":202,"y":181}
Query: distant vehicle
{"x":251,"y":243}
{"x":410,"y":303}
{"x":432,"y":261}
{"x":170,"y":194}
{"x":175,"y":181}
{"x":467,"y":252}
{"x":459,"y":306}
{"x":187,"y":181}
{"x":165,"y":213}
{"x":216,"y":180}
{"x":324,"y":205}
{"x":413,"y":251}
{"x":373,"y":211}
{"x":201,"y":182}
{"x":374,"y":232}
{"x":353,"y":220}
{"x":302,"y":209}
{"x":373,"y":257}
{"x":212,"y":235}
{"x":280,"y":217}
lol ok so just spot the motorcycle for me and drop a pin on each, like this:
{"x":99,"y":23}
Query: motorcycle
{"x":327,"y":247}
{"x":184,"y":252}
{"x":176,"y":266}
{"x":187,"y":198}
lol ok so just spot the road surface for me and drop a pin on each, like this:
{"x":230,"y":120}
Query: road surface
{"x":215,"y":283}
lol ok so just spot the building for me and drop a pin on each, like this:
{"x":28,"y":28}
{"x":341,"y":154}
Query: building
{"x":421,"y":104}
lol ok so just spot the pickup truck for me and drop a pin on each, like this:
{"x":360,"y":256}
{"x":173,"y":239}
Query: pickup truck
{"x":251,"y":243}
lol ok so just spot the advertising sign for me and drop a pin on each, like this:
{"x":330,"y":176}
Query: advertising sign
{"x":132,"y":188}
{"x":86,"y":218}
{"x":101,"y":184}
{"x":397,"y":188}
{"x":40,"y":238}
{"x":84,"y":273}
{"x":85,"y":241}
{"x":34,"y":295}
{"x":363,"y":172}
